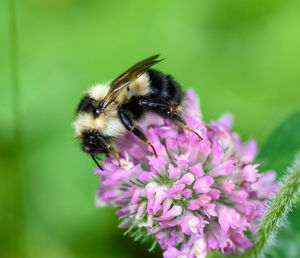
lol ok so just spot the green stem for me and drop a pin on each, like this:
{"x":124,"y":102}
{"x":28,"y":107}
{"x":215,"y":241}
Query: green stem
{"x":279,"y":207}
{"x":14,"y":67}
{"x":16,"y":219}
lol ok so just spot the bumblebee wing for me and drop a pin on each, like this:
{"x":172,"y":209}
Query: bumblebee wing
{"x":122,"y":81}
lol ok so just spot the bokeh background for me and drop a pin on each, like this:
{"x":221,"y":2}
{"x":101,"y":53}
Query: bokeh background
{"x":240,"y":57}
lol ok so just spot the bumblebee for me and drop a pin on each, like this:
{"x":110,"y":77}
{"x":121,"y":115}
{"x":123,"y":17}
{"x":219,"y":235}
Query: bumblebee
{"x":106,"y":112}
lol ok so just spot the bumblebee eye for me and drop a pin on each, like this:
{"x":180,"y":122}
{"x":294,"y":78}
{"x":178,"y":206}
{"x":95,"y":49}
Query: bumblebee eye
{"x":92,"y":140}
{"x":97,"y":111}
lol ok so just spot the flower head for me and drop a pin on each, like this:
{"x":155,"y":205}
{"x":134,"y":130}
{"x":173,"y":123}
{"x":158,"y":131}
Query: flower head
{"x":196,"y":196}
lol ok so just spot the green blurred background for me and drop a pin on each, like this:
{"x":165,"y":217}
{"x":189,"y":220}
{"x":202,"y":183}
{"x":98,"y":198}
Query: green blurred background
{"x":239,"y":56}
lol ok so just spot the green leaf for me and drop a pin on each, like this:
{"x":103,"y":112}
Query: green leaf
{"x":278,"y":152}
{"x":280,"y":205}
{"x":281,"y":146}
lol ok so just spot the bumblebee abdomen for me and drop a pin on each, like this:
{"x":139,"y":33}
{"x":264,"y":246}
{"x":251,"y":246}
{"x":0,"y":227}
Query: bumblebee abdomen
{"x":165,"y":88}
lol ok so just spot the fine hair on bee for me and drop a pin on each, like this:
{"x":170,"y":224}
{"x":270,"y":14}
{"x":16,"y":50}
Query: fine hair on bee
{"x":106,"y":112}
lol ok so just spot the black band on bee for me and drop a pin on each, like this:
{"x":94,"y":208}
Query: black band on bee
{"x":165,"y":88}
{"x":85,"y":104}
{"x":88,"y":104}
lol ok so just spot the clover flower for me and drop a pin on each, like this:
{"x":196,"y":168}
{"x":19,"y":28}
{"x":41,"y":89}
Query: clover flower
{"x":196,"y":196}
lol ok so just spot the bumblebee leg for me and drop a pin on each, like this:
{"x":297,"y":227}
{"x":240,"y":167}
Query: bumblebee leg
{"x":167,"y":111}
{"x":180,"y":122}
{"x":160,"y":108}
{"x":109,"y":149}
{"x":140,"y":134}
{"x":115,"y":154}
{"x":94,"y":159}
{"x":136,"y":130}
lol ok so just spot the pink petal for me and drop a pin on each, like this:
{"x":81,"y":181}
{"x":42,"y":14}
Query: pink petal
{"x":187,"y":193}
{"x":141,"y":210}
{"x":194,"y":205}
{"x":228,"y":186}
{"x":150,"y":189}
{"x":135,"y":198}
{"x":159,"y":197}
{"x":204,"y":200}
{"x":214,"y":193}
{"x":172,"y":252}
{"x":217,"y":153}
{"x":188,"y":179}
{"x":226,"y":119}
{"x":173,"y":172}
{"x":176,"y":189}
{"x":197,"y":170}
{"x":174,"y":212}
{"x":166,"y":205}
{"x":250,"y":173}
{"x":171,"y":143}
{"x":210,"y":210}
{"x":228,"y":217}
{"x":249,"y":151}
{"x":224,"y":169}
{"x":145,"y":176}
{"x":202,"y":185}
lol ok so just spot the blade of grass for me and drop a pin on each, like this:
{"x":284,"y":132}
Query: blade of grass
{"x":279,"y":207}
{"x":16,"y":191}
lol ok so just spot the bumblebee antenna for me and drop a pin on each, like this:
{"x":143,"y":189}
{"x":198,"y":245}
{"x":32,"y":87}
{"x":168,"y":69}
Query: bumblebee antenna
{"x":94,"y":159}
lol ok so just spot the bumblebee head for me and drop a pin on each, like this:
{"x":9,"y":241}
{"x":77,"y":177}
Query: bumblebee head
{"x":89,"y":123}
{"x":93,"y":143}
